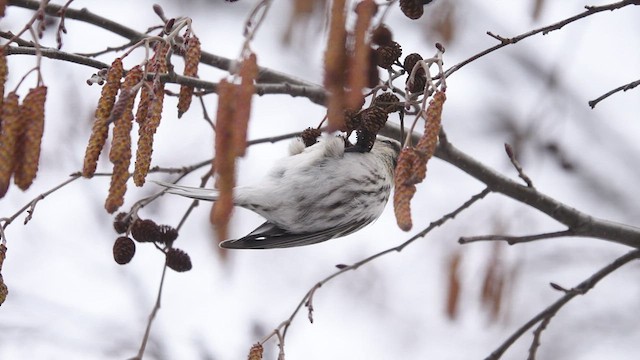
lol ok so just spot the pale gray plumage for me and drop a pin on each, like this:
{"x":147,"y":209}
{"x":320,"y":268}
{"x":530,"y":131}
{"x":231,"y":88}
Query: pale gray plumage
{"x":318,"y":193}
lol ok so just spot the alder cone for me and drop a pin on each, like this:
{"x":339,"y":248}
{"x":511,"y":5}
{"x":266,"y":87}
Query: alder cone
{"x":413,"y":9}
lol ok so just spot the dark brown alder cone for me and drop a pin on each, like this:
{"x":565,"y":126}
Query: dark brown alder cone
{"x":121,"y":222}
{"x":9,"y":137}
{"x":387,"y":55}
{"x":388,"y":101}
{"x":310,"y":136}
{"x":191,"y":62}
{"x":168,"y":234}
{"x":413,"y":9}
{"x":410,"y":61}
{"x":178,"y":260}
{"x":145,"y":230}
{"x":123,"y":250}
{"x":352,"y":120}
{"x":100,"y":130}
{"x":373,"y":119}
{"x":28,"y":153}
{"x":365,"y":140}
{"x":381,"y":35}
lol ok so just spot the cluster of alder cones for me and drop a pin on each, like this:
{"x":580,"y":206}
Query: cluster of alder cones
{"x":21,"y":129}
{"x":116,"y":107}
{"x":147,"y":231}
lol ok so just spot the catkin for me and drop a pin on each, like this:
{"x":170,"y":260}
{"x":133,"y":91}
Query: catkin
{"x":120,"y":154}
{"x":412,"y":162}
{"x":4,"y":72}
{"x":191,"y":62}
{"x":224,"y":161}
{"x":100,"y":130}
{"x":242,"y":109}
{"x":149,"y":125}
{"x":32,"y":111}
{"x":9,"y":137}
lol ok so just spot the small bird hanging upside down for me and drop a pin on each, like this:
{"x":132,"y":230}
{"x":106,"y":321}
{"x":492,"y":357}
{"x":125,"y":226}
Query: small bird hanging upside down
{"x":320,"y":192}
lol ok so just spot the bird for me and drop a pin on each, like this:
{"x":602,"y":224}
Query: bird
{"x":320,"y":192}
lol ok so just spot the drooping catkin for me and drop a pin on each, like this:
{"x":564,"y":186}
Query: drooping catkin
{"x":32,"y":111}
{"x":9,"y":137}
{"x":335,"y":61}
{"x":225,"y":156}
{"x":242,"y":108}
{"x":255,"y":353}
{"x":149,"y":125}
{"x":405,"y":188}
{"x":121,"y":144}
{"x":433,"y":120}
{"x":412,"y":162}
{"x":359,"y":60}
{"x":191,"y":62}
{"x":100,"y":130}
{"x":4,"y":72}
{"x":120,"y":153}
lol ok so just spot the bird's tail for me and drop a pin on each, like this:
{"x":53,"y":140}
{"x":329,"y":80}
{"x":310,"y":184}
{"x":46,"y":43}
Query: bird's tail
{"x":189,"y":191}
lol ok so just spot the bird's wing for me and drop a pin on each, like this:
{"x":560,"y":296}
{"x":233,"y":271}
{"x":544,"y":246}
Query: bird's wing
{"x":270,"y":236}
{"x":189,"y":191}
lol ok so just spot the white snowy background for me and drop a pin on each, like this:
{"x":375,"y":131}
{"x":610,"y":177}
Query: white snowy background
{"x":69,"y":300}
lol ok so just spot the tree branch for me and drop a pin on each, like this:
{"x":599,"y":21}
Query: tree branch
{"x":578,"y":222}
{"x":265,"y":75}
{"x":551,"y":310}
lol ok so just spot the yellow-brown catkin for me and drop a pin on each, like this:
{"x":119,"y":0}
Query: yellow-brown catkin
{"x":225,"y":156}
{"x":404,"y":187}
{"x":412,"y":162}
{"x":191,"y":62}
{"x":143,"y":105}
{"x":359,"y":62}
{"x":121,"y":144}
{"x":4,"y":72}
{"x":32,"y":111}
{"x":242,"y":108}
{"x":335,"y":60}
{"x":149,"y":125}
{"x":120,"y":154}
{"x":255,"y":353}
{"x":4,"y":291}
{"x":146,"y":132}
{"x":117,"y":188}
{"x":9,"y":137}
{"x":100,"y":130}
{"x":429,"y":139}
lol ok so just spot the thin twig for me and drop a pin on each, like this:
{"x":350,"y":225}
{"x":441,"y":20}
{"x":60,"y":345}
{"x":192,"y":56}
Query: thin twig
{"x":31,"y":206}
{"x":152,"y":316}
{"x":307,"y":298}
{"x":625,"y":87}
{"x":590,"y":10}
{"x":511,"y":240}
{"x":516,"y":164}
